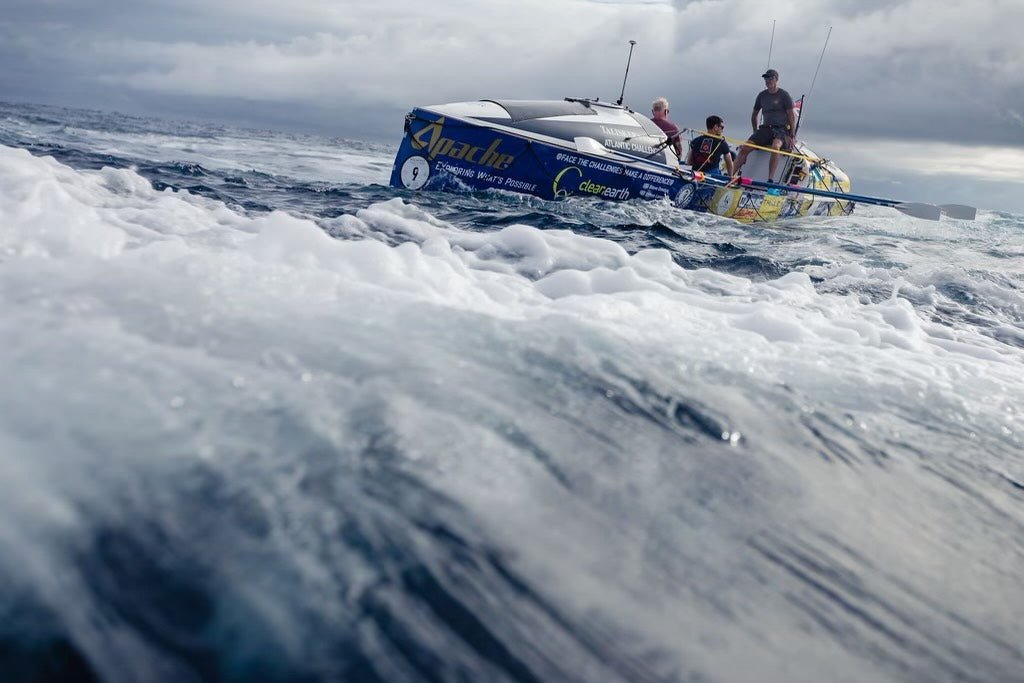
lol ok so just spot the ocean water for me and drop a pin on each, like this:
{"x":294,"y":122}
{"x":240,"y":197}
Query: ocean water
{"x":264,"y":418}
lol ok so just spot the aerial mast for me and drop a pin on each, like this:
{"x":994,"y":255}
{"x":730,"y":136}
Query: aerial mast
{"x":628,"y":60}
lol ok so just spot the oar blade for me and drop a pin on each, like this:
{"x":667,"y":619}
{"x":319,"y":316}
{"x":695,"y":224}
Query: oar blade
{"x":959,"y":211}
{"x":928,"y":212}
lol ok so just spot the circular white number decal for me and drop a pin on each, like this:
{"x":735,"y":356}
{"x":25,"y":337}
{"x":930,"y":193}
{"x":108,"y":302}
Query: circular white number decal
{"x":415,"y":172}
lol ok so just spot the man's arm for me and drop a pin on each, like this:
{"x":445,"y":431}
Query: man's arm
{"x":728,"y":163}
{"x":753,"y":118}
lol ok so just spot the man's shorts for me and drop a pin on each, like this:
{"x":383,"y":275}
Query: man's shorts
{"x":765,"y":135}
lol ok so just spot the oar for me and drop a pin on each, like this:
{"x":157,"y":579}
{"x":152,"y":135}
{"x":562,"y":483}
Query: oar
{"x":916,"y":209}
{"x":960,"y":211}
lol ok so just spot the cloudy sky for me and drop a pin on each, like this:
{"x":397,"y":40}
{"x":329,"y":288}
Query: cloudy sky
{"x":916,"y":99}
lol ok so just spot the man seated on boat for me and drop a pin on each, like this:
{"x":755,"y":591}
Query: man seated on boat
{"x":778,"y":122}
{"x":659,"y":114}
{"x":708,"y":150}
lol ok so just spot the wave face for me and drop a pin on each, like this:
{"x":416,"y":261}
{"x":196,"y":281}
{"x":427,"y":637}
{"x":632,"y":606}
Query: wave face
{"x":264,"y":418}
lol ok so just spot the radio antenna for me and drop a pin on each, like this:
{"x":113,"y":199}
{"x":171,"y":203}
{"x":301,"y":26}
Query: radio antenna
{"x":803,"y":98}
{"x":628,"y":60}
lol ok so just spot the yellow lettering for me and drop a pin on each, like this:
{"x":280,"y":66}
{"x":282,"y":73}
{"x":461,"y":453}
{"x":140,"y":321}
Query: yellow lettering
{"x":458,"y":150}
{"x":443,"y":146}
{"x":490,"y":153}
{"x":429,"y":138}
{"x":504,"y":161}
{"x":554,"y":186}
{"x":431,"y":133}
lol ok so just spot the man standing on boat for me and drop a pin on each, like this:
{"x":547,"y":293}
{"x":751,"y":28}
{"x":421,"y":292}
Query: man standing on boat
{"x":778,"y":122}
{"x":659,"y":114}
{"x":708,"y":150}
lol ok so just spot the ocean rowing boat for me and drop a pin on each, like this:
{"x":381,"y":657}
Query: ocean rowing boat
{"x":585,"y":147}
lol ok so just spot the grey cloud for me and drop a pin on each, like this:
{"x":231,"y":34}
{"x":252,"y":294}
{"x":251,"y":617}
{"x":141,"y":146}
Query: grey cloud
{"x":900,"y":70}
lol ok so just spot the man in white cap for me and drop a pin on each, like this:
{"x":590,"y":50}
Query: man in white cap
{"x":779,"y":120}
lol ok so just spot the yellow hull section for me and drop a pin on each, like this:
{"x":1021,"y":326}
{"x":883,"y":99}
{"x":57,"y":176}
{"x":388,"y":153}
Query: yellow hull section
{"x":749,"y":205}
{"x":752,"y":205}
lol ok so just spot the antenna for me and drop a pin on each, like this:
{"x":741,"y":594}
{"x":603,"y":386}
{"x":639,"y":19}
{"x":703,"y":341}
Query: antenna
{"x":803,"y":100}
{"x":770,"y":45}
{"x":623,"y":93}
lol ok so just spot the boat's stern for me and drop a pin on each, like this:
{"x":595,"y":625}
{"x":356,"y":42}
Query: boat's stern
{"x":799,"y":168}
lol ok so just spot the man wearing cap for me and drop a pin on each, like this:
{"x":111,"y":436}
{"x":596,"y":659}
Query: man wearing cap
{"x":778,"y":121}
